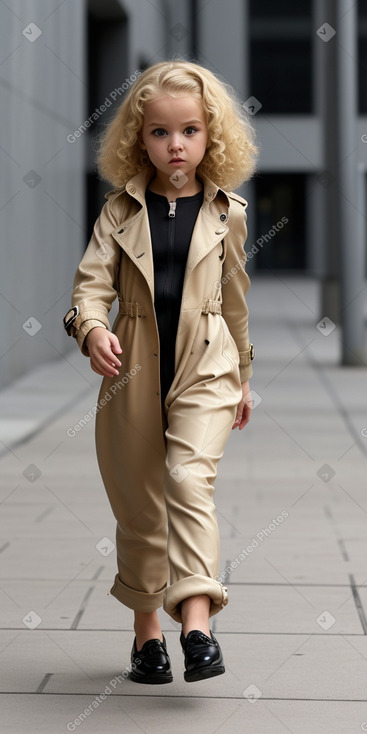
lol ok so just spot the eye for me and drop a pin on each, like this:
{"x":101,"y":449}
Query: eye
{"x":194,"y":129}
{"x":158,"y":130}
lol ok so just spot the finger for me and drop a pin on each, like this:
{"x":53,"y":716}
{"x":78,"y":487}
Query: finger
{"x":115,"y":344}
{"x":104,"y":367}
{"x":99,"y":371}
{"x":245,"y":417}
{"x":95,"y":370}
{"x":106,"y":354}
{"x":110,"y":357}
{"x":238,"y":416}
{"x":104,"y":373}
{"x":105,"y":359}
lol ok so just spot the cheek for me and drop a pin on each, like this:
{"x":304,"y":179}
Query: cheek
{"x":202,"y":143}
{"x":155,"y":148}
{"x":155,"y":143}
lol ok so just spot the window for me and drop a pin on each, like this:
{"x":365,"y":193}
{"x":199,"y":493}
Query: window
{"x":281,"y":68}
{"x":281,"y":245}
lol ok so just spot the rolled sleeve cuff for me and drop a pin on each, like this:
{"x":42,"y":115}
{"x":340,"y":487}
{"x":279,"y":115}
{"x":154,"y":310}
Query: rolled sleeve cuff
{"x":140,"y":601}
{"x":245,"y":372}
{"x":85,"y":327}
{"x":245,"y":364}
{"x":192,"y":586}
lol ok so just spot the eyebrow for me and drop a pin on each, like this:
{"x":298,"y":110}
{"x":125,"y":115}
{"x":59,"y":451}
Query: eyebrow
{"x":162,"y":124}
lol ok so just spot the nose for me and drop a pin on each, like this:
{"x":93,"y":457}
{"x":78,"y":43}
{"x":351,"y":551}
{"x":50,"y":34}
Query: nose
{"x":175,"y":142}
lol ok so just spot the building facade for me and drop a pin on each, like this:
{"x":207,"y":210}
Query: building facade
{"x":64,"y":69}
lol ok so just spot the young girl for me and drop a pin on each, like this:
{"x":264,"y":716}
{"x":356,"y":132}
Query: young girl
{"x":169,"y":242}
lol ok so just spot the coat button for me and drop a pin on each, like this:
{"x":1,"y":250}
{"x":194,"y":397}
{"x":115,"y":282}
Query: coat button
{"x":132,"y":189}
{"x":223,"y":217}
{"x":220,"y":230}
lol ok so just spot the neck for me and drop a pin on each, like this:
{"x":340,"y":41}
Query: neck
{"x":164,"y":187}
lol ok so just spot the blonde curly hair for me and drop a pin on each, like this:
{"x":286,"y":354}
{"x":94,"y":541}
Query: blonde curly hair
{"x":230,"y":158}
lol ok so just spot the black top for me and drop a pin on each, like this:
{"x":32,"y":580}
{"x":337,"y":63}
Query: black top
{"x":171,"y":237}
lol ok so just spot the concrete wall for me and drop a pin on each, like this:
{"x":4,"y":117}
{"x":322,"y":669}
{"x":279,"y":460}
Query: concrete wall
{"x":43,"y":86}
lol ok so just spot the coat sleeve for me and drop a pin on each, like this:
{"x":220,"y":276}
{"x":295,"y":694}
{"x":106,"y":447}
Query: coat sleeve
{"x":235,"y":285}
{"x":95,"y":282}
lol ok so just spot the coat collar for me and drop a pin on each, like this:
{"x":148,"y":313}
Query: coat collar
{"x":133,"y":234}
{"x":137,"y":185}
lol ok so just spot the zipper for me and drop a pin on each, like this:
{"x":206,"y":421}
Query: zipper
{"x":171,"y":244}
{"x":170,"y":259}
{"x":172,"y":209}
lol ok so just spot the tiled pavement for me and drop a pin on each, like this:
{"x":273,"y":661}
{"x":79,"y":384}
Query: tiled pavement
{"x":294,"y":632}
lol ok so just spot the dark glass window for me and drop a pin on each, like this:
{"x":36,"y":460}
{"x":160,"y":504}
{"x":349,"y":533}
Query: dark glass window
{"x":107,"y":34}
{"x":281,"y":245}
{"x":281,"y":65}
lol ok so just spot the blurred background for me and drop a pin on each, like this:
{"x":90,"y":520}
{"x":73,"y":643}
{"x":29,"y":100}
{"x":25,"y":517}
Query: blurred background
{"x":64,"y":69}
{"x":291,"y":490}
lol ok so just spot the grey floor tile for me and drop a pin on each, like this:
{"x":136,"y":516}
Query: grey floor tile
{"x":289,"y":609}
{"x":142,"y":714}
{"x":304,"y":453}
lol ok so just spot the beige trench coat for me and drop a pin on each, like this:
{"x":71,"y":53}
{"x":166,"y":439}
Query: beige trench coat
{"x":212,"y":350}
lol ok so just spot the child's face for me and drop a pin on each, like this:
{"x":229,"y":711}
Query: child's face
{"x":174,"y":127}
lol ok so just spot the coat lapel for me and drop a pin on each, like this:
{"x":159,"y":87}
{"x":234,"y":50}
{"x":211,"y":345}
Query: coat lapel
{"x":133,"y":234}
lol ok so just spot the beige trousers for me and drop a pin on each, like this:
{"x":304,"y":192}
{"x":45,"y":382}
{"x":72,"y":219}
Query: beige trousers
{"x":163,"y":501}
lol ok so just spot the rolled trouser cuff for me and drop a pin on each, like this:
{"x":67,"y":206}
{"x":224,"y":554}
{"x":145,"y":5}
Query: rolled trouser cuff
{"x":192,"y":586}
{"x":140,"y":601}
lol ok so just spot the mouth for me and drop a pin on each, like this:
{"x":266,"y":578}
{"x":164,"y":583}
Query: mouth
{"x":177,"y":160}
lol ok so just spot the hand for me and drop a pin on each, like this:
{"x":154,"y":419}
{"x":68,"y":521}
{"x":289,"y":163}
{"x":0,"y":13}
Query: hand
{"x":102,"y":346}
{"x":244,"y":407}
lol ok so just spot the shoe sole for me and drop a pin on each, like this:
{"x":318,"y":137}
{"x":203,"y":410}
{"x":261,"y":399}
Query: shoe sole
{"x":203,"y":673}
{"x":151,"y":680}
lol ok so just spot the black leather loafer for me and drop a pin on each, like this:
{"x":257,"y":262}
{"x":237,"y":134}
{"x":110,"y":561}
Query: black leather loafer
{"x":151,"y":664}
{"x":203,"y":656}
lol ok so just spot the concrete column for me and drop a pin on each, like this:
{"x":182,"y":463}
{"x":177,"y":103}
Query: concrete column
{"x":248,"y":190}
{"x":178,"y":20}
{"x":224,"y":47}
{"x":351,"y":208}
{"x":317,"y":243}
{"x":324,"y":184}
